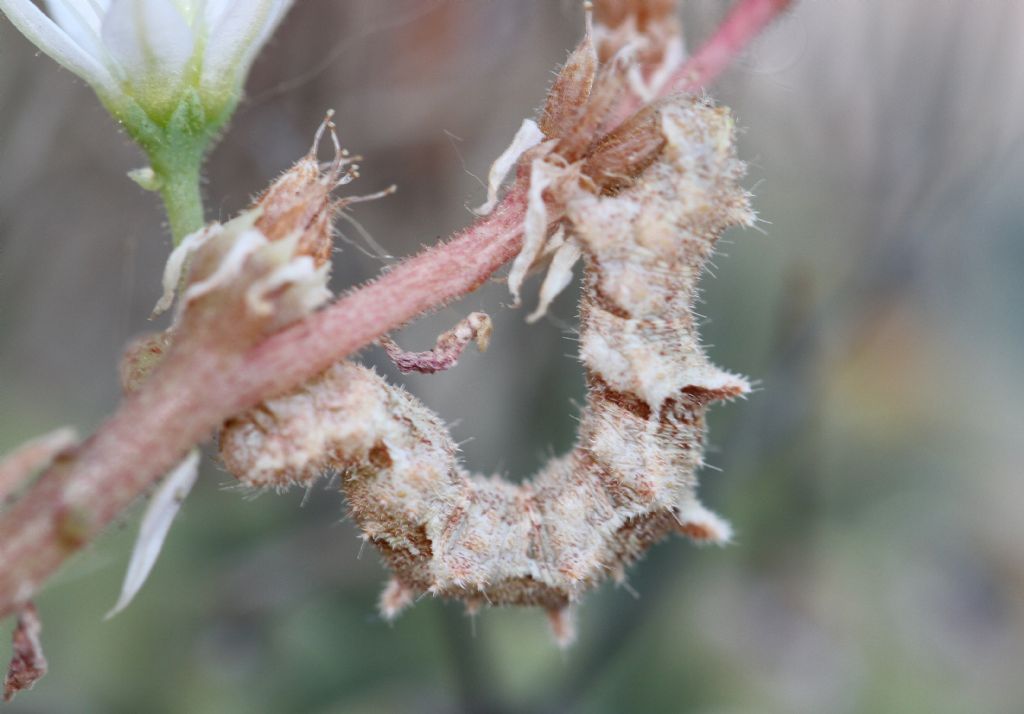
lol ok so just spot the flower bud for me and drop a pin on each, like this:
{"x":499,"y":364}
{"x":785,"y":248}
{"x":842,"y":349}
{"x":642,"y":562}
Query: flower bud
{"x":300,"y":202}
{"x":267,"y":267}
{"x":571,"y":90}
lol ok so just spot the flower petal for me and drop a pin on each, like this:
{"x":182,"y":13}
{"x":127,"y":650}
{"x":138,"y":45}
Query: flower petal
{"x":177,"y":261}
{"x":45,"y":34}
{"x":189,"y":9}
{"x":228,"y":269}
{"x":213,"y":11}
{"x":155,"y":523}
{"x":239,"y":32}
{"x":299,"y":285}
{"x":80,"y":20}
{"x":528,"y":136}
{"x":149,"y":39}
{"x":535,"y":223}
{"x":558,"y":277}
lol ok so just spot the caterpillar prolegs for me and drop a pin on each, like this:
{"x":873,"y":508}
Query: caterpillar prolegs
{"x":631,"y":478}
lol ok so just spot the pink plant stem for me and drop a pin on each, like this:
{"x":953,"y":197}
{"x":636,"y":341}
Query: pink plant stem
{"x":744,"y":22}
{"x":192,"y":393}
{"x":17,"y":467}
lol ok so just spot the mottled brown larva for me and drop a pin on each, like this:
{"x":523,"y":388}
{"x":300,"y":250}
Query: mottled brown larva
{"x":631,"y":478}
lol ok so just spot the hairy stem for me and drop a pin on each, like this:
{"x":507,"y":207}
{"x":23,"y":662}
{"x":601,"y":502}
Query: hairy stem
{"x":196,"y":389}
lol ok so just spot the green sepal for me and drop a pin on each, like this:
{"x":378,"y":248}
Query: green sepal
{"x":176,"y":138}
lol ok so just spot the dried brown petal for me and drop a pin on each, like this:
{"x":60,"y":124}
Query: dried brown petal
{"x":586,"y":125}
{"x":300,"y":200}
{"x":28,"y":663}
{"x":622,"y":155}
{"x":612,"y":13}
{"x":570,"y":91}
{"x":652,"y":30}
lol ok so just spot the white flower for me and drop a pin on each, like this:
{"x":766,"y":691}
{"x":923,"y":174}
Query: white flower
{"x":151,"y":51}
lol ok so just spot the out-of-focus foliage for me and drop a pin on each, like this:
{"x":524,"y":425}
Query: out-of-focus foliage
{"x":874,"y":479}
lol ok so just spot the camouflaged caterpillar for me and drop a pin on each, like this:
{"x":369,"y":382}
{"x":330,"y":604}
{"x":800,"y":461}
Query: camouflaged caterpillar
{"x":631,"y":478}
{"x":643,"y":204}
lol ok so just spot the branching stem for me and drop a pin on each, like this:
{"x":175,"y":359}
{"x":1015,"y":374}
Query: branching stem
{"x":189,"y":396}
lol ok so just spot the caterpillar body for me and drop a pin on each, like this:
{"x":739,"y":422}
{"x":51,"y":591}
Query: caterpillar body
{"x":629,"y":481}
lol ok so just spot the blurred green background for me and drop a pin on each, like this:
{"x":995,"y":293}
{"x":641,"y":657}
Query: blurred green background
{"x":875,"y":478}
